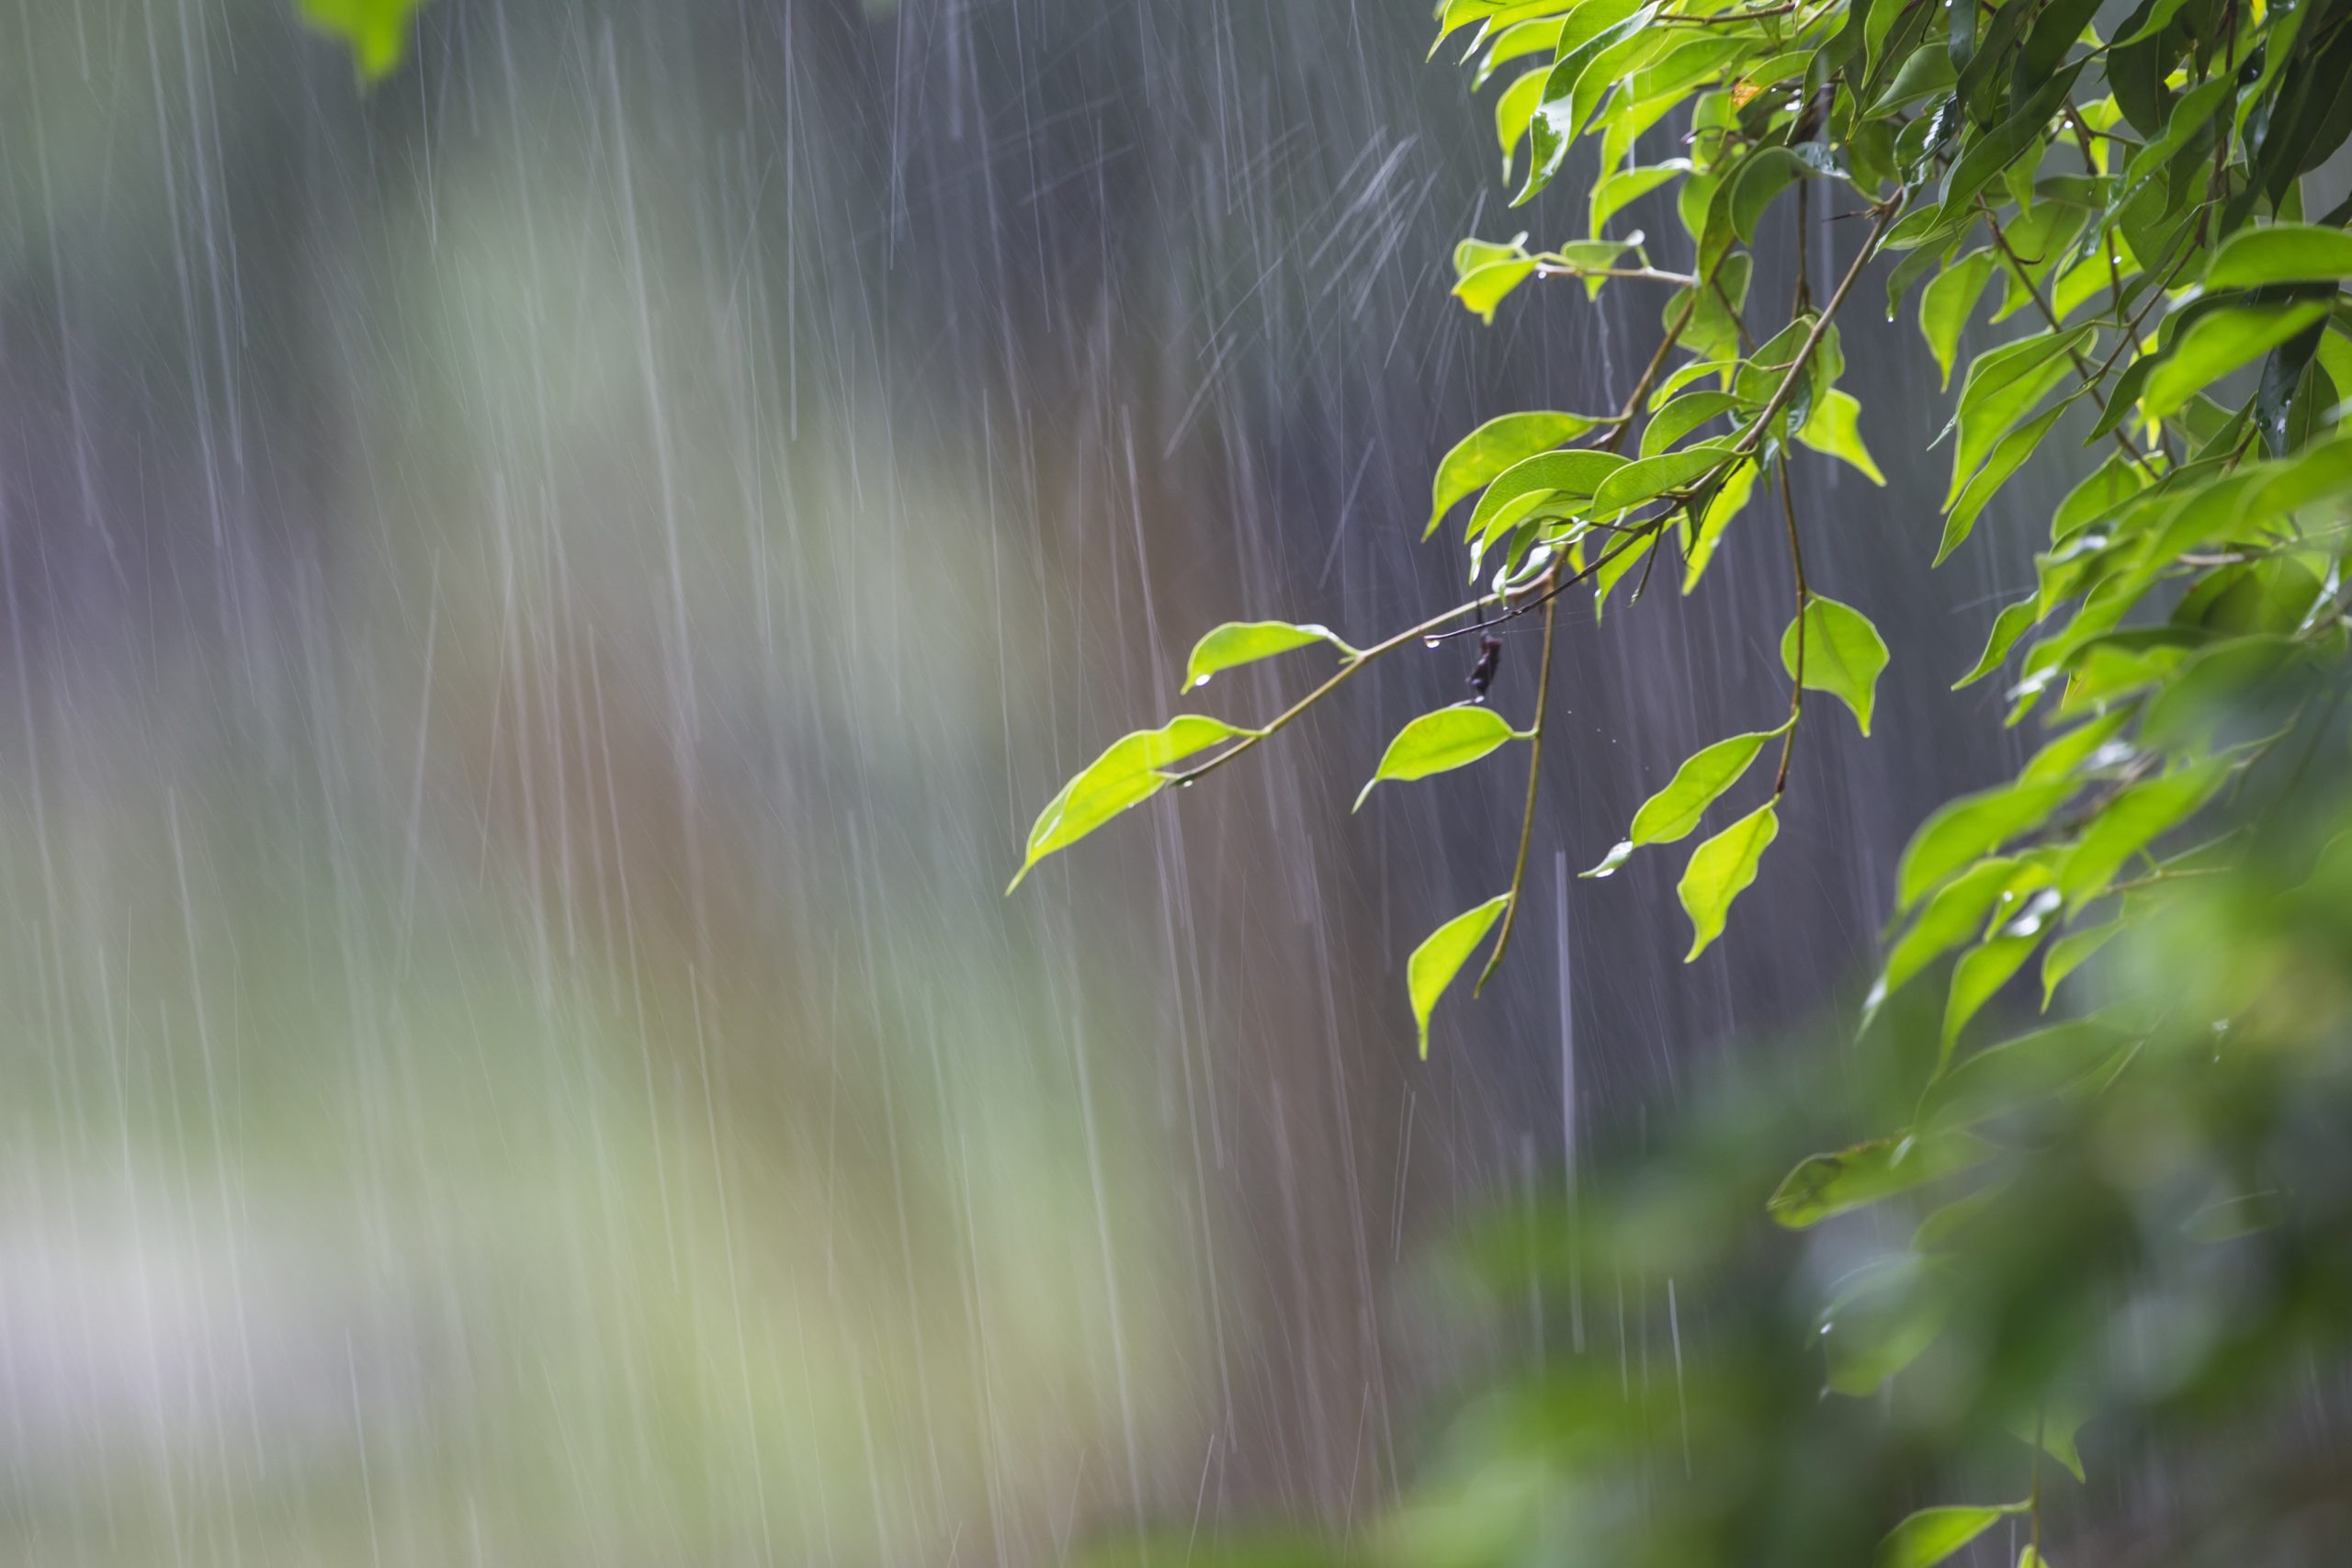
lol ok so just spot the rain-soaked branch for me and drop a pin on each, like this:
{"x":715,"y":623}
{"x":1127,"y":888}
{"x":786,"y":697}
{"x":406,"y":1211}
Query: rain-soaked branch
{"x":1327,"y":688}
{"x":1796,"y":676}
{"x":1527,"y":817}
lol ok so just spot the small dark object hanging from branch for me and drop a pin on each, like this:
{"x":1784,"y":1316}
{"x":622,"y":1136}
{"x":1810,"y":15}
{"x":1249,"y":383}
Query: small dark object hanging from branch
{"x":1482,"y":674}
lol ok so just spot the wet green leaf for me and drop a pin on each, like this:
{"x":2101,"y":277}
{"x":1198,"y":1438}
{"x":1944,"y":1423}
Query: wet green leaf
{"x":1720,"y":870}
{"x":1645,"y":479}
{"x":2002,"y":1078}
{"x":1436,"y":742}
{"x":2012,"y":623}
{"x":1575,"y":475}
{"x":1948,"y":301}
{"x":1931,"y":1534}
{"x":2070,"y":953}
{"x":1245,"y":642}
{"x":2218,"y":343}
{"x":1439,"y":959}
{"x":2007,"y":459}
{"x":1126,"y":775}
{"x":1823,"y":1186}
{"x":1973,"y":825}
{"x":1834,"y":428}
{"x":1673,"y":812}
{"x":1843,"y":654}
{"x":2280,"y":253}
{"x":2001,"y":390}
{"x":2131,"y":822}
{"x":1487,"y":451}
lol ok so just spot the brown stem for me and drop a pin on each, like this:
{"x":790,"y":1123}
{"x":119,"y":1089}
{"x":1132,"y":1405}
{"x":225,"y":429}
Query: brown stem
{"x":1786,"y":389}
{"x":2082,"y":366}
{"x":1527,"y":817}
{"x":1796,"y":681}
{"x":1328,"y":687}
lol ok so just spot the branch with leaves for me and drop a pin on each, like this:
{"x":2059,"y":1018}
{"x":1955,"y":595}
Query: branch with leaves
{"x":2138,"y":200}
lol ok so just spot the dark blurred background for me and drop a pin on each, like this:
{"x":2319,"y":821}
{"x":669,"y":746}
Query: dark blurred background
{"x":540,"y":601}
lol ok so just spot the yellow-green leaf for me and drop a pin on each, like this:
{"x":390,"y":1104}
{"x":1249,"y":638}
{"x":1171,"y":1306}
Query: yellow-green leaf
{"x":1987,"y":482}
{"x":1644,"y":480}
{"x":1126,"y":775}
{"x":1674,"y":811}
{"x":1929,"y":1536}
{"x":1982,"y":971}
{"x":1834,"y":428}
{"x":1962,"y":829}
{"x":1436,"y":742}
{"x":1843,"y":654}
{"x":2003,"y":387}
{"x":2280,"y":252}
{"x":2218,"y":343}
{"x":2070,"y":953}
{"x":376,"y":31}
{"x":1823,"y":1186}
{"x":1949,"y":300}
{"x":1439,"y":959}
{"x":1244,"y":642}
{"x":1487,"y":451}
{"x":1720,"y":870}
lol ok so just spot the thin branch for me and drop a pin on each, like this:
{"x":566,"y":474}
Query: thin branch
{"x":1527,"y":817}
{"x":2082,"y":366}
{"x":1788,"y":386}
{"x":1796,"y":681}
{"x":1328,"y":687}
{"x":1554,"y":265}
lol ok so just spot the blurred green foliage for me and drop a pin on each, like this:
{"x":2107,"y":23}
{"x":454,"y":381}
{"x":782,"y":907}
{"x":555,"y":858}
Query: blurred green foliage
{"x":376,"y":31}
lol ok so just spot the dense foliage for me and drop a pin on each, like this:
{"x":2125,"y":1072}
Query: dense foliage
{"x":2136,"y":1215}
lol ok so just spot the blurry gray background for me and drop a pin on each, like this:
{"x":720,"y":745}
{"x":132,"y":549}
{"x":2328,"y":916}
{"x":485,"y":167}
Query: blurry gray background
{"x":540,"y":601}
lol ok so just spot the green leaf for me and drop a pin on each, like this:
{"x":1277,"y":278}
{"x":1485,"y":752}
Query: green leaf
{"x":1126,"y":775}
{"x":1673,"y":812}
{"x":1931,"y":1534}
{"x":2070,"y":953}
{"x":1513,"y":109}
{"x":1720,"y":870}
{"x":1683,"y":415}
{"x":1761,"y":178}
{"x":1962,"y":829}
{"x":1436,"y":742}
{"x":2012,"y":623}
{"x":1435,"y":963}
{"x":1987,"y":482}
{"x":1245,"y":642}
{"x":2002,"y":388}
{"x":1484,"y":455}
{"x":1483,"y":289}
{"x":1728,"y":501}
{"x":2005,"y":1077}
{"x":376,"y":31}
{"x":1574,"y":474}
{"x":1954,"y":915}
{"x":2131,"y":822}
{"x":1879,"y":1324}
{"x":1982,"y":971}
{"x":1834,"y":428}
{"x":1823,"y":1186}
{"x":1946,"y":304}
{"x":2219,"y":342}
{"x":1843,"y":654}
{"x":1642,"y":481}
{"x":1610,"y":195}
{"x":2280,"y":253}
